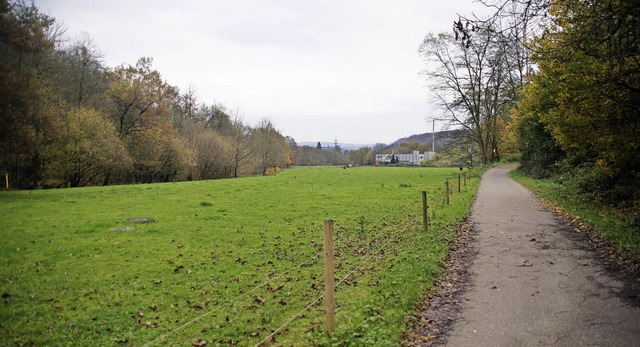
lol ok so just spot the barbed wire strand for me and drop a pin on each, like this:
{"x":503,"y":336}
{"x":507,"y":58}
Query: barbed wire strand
{"x":294,"y":317}
{"x":237,"y":298}
{"x":232,"y":302}
{"x":357,"y":267}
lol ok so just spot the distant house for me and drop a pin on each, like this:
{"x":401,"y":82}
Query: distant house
{"x":414,"y":158}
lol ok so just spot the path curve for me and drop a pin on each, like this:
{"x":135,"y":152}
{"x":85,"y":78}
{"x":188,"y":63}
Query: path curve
{"x":532,"y":284}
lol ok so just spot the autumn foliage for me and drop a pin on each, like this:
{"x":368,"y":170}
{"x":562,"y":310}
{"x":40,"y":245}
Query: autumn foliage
{"x":585,"y":98}
{"x":68,"y":120}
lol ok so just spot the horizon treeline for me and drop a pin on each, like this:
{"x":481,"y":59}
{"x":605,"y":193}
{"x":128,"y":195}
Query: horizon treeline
{"x":66,"y":120}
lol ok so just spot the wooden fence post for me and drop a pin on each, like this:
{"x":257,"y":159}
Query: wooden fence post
{"x":459,"y":183}
{"x":447,"y":191}
{"x":425,"y":220}
{"x":329,"y":281}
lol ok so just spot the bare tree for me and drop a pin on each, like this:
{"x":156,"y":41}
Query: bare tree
{"x":470,"y":81}
{"x":514,"y":21}
{"x":241,"y":150}
{"x":80,"y":78}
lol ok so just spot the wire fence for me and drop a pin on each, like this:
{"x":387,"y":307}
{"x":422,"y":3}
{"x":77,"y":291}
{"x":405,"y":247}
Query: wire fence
{"x":441,"y":196}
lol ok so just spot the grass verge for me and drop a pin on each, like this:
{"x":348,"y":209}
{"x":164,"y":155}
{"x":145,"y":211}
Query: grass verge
{"x":610,"y":224}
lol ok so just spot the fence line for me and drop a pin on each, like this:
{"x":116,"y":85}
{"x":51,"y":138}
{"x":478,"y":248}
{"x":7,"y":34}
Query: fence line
{"x":342,"y":280}
{"x":294,"y":317}
{"x":232,"y":302}
{"x":447,"y":193}
{"x":357,"y":267}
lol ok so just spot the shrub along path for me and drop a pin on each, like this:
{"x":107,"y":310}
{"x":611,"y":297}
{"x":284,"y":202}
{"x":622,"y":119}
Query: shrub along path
{"x":534,"y":281}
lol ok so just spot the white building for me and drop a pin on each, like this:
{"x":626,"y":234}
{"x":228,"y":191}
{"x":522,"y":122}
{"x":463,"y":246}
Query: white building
{"x":414,"y":158}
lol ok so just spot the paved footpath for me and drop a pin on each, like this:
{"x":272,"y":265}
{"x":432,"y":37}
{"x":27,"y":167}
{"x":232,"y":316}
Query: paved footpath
{"x":531,"y":284}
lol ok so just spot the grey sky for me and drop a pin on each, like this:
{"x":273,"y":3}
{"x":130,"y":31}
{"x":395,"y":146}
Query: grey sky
{"x":318,"y":69}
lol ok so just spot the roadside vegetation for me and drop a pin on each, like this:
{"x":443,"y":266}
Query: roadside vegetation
{"x":578,"y":119}
{"x":225,"y":261}
{"x":559,"y":83}
{"x":619,"y":229}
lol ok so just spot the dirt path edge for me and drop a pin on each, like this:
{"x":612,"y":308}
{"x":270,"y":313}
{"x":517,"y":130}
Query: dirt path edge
{"x":436,"y":315}
{"x":442,"y":305}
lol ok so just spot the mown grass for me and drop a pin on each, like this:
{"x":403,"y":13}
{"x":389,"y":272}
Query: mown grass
{"x":227,"y":261}
{"x":613,"y":225}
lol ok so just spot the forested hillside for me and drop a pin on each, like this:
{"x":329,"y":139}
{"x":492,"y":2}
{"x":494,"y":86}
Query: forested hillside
{"x":443,"y":140}
{"x":68,"y":120}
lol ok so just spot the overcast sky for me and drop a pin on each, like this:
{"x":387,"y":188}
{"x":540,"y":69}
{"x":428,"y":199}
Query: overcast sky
{"x":319,"y":70}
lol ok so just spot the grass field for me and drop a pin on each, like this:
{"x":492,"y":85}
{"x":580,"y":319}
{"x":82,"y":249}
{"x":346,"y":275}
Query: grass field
{"x":226,"y":261}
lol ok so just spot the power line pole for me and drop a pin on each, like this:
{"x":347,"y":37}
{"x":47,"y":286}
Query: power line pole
{"x":433,"y":136}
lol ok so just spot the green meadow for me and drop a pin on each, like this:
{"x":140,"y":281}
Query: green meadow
{"x":226,"y":262}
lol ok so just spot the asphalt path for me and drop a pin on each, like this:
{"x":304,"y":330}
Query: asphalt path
{"x":532,"y":284}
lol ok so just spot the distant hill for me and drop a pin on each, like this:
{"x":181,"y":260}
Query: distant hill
{"x":443,"y":139}
{"x":344,"y":146}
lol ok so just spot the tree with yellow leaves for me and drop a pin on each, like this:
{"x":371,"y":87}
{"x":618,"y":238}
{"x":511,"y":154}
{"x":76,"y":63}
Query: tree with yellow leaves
{"x":587,"y":92}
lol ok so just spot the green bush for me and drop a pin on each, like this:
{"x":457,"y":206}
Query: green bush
{"x":599,"y":183}
{"x":540,"y":153}
{"x":511,"y":158}
{"x":428,"y":163}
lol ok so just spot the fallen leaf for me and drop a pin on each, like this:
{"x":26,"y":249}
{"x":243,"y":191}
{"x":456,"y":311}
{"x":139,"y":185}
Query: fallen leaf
{"x":526,"y":263}
{"x":272,"y":289}
{"x":199,"y":342}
